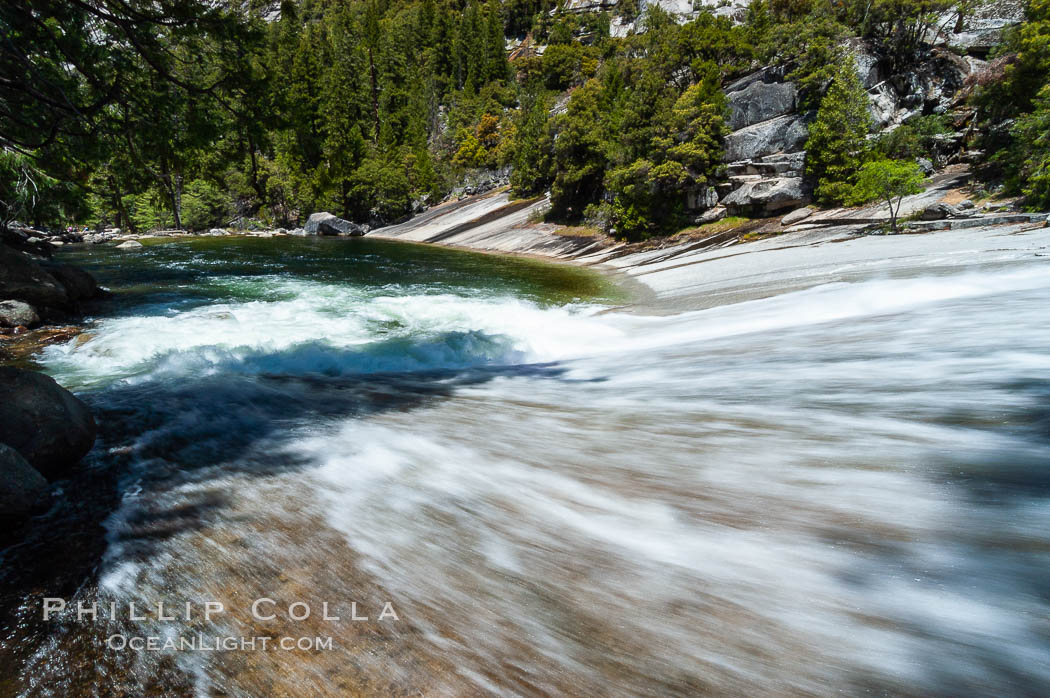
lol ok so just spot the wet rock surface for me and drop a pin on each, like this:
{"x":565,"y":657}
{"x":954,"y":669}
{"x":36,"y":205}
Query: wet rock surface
{"x":50,"y":427}
{"x":22,"y":278}
{"x":21,"y":486}
{"x":17,"y":314}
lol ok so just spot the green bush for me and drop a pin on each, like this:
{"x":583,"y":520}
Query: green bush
{"x":915,"y":139}
{"x":888,"y":181}
{"x":149,"y":210}
{"x":204,"y":205}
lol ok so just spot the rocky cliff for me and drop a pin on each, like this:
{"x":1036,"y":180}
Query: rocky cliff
{"x":764,"y":153}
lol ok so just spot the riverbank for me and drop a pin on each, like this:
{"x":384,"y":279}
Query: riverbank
{"x":716,"y":265}
{"x":473,"y":439}
{"x":44,"y":429}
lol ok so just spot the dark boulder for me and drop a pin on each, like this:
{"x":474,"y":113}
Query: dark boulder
{"x":79,"y":284}
{"x":21,"y":486}
{"x":324,"y":223}
{"x":43,"y":421}
{"x":25,"y":242}
{"x":23,"y":278}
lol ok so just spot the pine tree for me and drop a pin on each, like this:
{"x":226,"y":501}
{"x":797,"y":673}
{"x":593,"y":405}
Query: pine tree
{"x":837,"y":143}
{"x":497,"y":56}
{"x":530,"y":149}
{"x":1032,"y":132}
{"x":579,"y":152}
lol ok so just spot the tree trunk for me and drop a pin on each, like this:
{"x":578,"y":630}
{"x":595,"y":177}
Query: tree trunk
{"x":256,"y":184}
{"x":177,"y":199}
{"x":893,"y":213}
{"x":123,"y":219}
{"x":375,"y":94}
{"x":167,"y":181}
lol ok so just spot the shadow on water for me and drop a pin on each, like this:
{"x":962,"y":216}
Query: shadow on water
{"x":156,"y":435}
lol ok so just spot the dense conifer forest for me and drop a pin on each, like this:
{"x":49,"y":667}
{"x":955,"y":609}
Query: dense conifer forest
{"x":146,"y":114}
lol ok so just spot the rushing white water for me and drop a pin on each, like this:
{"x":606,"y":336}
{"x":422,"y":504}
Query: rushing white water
{"x":302,"y":330}
{"x":842,"y":489}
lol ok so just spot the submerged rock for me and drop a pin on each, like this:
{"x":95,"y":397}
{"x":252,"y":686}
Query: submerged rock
{"x":44,"y":422}
{"x":21,"y":486}
{"x":130,"y":245}
{"x":17,"y":313}
{"x":324,"y":223}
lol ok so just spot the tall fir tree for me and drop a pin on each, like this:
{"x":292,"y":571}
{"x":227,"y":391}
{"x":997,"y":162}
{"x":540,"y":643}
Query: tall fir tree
{"x":837,"y":144}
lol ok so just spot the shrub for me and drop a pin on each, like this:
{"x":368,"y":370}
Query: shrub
{"x":204,"y":205}
{"x":889,"y":181}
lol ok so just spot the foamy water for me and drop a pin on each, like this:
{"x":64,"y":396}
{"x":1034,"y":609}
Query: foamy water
{"x":842,"y":489}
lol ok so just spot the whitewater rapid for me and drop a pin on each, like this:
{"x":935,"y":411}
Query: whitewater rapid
{"x":839,"y":489}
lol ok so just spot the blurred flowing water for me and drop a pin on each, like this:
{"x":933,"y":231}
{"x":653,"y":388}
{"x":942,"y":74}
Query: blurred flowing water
{"x":842,"y":489}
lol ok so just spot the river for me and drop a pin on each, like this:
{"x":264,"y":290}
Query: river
{"x":841,"y":489}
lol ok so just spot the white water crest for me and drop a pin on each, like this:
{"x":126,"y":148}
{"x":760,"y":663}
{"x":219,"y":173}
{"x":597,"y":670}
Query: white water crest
{"x":842,"y":489}
{"x":297,"y":324}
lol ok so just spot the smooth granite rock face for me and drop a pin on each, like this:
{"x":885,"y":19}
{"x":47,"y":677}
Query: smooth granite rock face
{"x":866,"y":62}
{"x":50,"y":427}
{"x":784,"y":134}
{"x":760,"y":101}
{"x":799,"y":214}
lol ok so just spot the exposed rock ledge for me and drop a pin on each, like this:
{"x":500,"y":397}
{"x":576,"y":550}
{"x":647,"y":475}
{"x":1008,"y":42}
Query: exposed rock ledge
{"x":491,"y":222}
{"x":723,"y":266}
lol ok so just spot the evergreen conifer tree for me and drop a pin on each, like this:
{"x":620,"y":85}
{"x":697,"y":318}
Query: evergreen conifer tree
{"x":837,"y":145}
